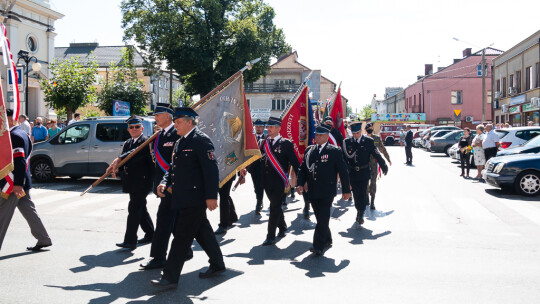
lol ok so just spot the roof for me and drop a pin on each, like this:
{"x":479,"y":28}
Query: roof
{"x":489,"y":52}
{"x":102,"y":54}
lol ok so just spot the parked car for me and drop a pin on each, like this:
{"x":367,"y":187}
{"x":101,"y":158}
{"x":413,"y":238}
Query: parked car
{"x":441,"y":144}
{"x":516,"y":136}
{"x":518,"y":171}
{"x":84,"y":148}
{"x":438,"y":132}
{"x":453,"y":151}
{"x":531,"y":146}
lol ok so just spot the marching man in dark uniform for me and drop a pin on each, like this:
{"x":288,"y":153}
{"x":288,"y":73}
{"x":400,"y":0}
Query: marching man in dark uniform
{"x":255,"y":169}
{"x":277,"y":158}
{"x":16,"y":186}
{"x":193,"y":179}
{"x":357,"y":150}
{"x":136,"y":176}
{"x":335,"y":136}
{"x":320,"y":166}
{"x":373,"y":163}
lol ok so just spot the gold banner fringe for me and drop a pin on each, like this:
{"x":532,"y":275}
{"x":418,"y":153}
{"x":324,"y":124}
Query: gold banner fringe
{"x":6,"y":170}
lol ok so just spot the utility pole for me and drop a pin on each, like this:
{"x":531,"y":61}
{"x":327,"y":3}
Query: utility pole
{"x":484,"y":85}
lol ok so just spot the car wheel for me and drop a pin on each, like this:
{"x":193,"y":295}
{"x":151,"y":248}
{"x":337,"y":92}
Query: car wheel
{"x":528,"y":183}
{"x":42,"y":170}
{"x":389,"y":142}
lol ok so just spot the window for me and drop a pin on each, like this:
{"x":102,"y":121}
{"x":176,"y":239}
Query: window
{"x":527,"y":134}
{"x":518,"y":81}
{"x":498,"y":85}
{"x":457,"y":97}
{"x":504,"y":88}
{"x":511,"y":81}
{"x":32,"y":43}
{"x":537,"y":77}
{"x":166,"y":83}
{"x":279,"y":104}
{"x":528,"y":78}
{"x":73,"y":135}
{"x":98,"y":80}
{"x":112,"y":132}
{"x":414,"y":100}
{"x":249,"y":103}
{"x":489,"y":97}
{"x":160,"y":83}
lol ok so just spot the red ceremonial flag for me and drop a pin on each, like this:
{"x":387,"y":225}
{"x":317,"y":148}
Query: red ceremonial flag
{"x":294,"y":123}
{"x":6,"y":155}
{"x":337,"y":114}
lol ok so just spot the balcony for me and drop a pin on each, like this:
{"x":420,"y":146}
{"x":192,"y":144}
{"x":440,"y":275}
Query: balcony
{"x":271,"y":88}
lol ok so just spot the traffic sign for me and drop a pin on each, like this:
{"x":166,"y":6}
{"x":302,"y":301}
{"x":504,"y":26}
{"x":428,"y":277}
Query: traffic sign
{"x":19,"y":80}
{"x":457,"y":115}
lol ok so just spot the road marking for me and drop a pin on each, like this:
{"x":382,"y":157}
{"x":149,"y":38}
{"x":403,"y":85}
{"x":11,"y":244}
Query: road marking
{"x":524,"y":208}
{"x":475,"y":211}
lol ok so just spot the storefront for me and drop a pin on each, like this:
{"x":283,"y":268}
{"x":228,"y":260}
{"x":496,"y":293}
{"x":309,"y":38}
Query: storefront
{"x":515,"y":116}
{"x":531,"y":113}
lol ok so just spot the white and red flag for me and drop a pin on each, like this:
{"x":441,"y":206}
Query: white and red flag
{"x":337,"y":114}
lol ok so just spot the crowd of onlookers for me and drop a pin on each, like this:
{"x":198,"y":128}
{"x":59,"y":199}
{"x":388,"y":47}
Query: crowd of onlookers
{"x":42,"y":129}
{"x":482,"y":147}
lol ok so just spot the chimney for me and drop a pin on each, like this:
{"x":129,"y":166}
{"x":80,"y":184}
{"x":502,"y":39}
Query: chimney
{"x":467,"y":52}
{"x":428,"y":69}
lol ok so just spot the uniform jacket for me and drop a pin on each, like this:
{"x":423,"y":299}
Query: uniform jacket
{"x":283,"y":150}
{"x":22,"y":147}
{"x":409,"y":138}
{"x":194,"y":173}
{"x":337,"y":135}
{"x":321,"y":175}
{"x":380,"y":146}
{"x":357,"y":155}
{"x":136,"y":173}
{"x":256,"y":166}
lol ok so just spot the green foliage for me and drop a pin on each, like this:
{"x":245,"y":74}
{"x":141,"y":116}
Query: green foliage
{"x":122,"y":84}
{"x":365,"y":113}
{"x":71,"y":85}
{"x":349,"y":110}
{"x":180,"y":93}
{"x":205,"y":41}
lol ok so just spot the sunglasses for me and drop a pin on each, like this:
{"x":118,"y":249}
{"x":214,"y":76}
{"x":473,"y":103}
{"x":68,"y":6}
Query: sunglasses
{"x":134,"y":127}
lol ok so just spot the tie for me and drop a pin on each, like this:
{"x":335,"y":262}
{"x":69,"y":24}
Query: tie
{"x":316,"y":154}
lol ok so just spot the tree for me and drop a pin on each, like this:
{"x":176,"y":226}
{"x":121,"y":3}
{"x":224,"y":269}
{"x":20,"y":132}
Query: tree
{"x":71,"y":85}
{"x":204,"y":41}
{"x":178,"y":94}
{"x":365,"y":112}
{"x":123,"y":84}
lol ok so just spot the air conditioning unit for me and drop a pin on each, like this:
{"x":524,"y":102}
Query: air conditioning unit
{"x":469,"y":118}
{"x":498,"y":94}
{"x":535,"y":102}
{"x":504,"y":108}
{"x":512,"y":91}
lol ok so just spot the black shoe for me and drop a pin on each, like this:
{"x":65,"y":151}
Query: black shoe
{"x":316,"y":251}
{"x":220,"y":230}
{"x":359,"y":219}
{"x":211,"y":272}
{"x":153,"y":264}
{"x":281,"y":233}
{"x":145,"y":240}
{"x":372,"y":207}
{"x":269,"y":242}
{"x":163,"y":283}
{"x":128,"y":246}
{"x":37,"y":247}
{"x":284,"y":206}
{"x":306,"y":213}
{"x":258,"y":207}
{"x":350,"y":199}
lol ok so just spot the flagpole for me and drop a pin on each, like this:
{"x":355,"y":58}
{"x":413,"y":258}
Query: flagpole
{"x":296,"y":94}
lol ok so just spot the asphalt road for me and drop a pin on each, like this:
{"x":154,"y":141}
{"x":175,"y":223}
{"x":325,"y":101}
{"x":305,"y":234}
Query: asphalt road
{"x":435,"y":238}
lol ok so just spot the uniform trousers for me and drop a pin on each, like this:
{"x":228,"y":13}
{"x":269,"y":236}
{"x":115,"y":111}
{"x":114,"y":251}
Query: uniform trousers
{"x":191,"y":223}
{"x":138,"y":215}
{"x":276,"y":219}
{"x":361,"y":198}
{"x":408,"y":153}
{"x":164,"y":227}
{"x":373,"y":181}
{"x":257,"y":185}
{"x":306,"y":200}
{"x":322,"y":236}
{"x":28,"y":210}
{"x":227,"y":212}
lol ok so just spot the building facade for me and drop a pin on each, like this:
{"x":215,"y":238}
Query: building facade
{"x":516,"y":83}
{"x":395,"y":102}
{"x":456,"y":88}
{"x":379,"y":105}
{"x":30,"y":27}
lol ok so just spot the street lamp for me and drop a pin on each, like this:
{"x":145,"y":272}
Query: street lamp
{"x":25,"y":56}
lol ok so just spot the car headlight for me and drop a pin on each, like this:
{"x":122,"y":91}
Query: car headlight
{"x":498,"y":168}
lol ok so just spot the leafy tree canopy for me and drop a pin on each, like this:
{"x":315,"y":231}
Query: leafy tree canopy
{"x":365,"y":112}
{"x":205,"y":41}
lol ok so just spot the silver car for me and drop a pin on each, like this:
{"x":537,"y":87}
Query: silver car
{"x":84,"y":148}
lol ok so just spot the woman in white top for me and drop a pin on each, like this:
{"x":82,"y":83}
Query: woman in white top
{"x":479,"y":156}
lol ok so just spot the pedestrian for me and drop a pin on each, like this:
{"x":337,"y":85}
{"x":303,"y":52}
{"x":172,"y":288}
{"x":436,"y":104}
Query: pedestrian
{"x":479,"y":154}
{"x":490,"y":144}
{"x":506,"y":125}
{"x":373,"y":165}
{"x":427,"y":139}
{"x":193,"y":180}
{"x":408,"y":145}
{"x":401,"y":137}
{"x":255,"y":169}
{"x":39,"y":132}
{"x":136,"y":176}
{"x":54,"y":129}
{"x":358,"y":150}
{"x":530,"y":123}
{"x":464,"y":145}
{"x":336,"y":138}
{"x":227,"y":211}
{"x":24,"y":124}
{"x":16,"y":189}
{"x":277,"y":157}
{"x":321,"y":163}
{"x":76,"y":118}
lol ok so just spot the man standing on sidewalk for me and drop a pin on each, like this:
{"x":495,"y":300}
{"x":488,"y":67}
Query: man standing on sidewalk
{"x":408,"y":145}
{"x":490,"y":144}
{"x":16,"y":189}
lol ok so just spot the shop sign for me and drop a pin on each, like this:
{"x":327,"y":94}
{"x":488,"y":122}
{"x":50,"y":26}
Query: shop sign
{"x":528,"y":107}
{"x":514,"y":110}
{"x":399,"y":117}
{"x":518,"y":99}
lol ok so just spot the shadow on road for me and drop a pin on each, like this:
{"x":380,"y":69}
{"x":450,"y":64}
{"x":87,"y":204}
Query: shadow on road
{"x":300,"y":224}
{"x":246,"y":220}
{"x":137,"y":285}
{"x":258,"y":254}
{"x":317,"y":266}
{"x":107,"y":259}
{"x":509,"y":194}
{"x":372,"y":215}
{"x":359,"y":234}
{"x":340,"y":208}
{"x":16,"y":255}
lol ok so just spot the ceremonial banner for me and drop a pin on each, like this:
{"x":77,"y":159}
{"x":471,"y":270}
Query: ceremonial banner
{"x":8,"y":60}
{"x":337,"y":114}
{"x":226,"y":119}
{"x":295,"y":123}
{"x":6,"y":154}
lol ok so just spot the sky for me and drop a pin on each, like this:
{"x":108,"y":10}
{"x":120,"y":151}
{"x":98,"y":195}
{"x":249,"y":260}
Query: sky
{"x":365,"y":45}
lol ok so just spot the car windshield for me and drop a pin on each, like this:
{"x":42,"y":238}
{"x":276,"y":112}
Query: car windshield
{"x":535,"y":142}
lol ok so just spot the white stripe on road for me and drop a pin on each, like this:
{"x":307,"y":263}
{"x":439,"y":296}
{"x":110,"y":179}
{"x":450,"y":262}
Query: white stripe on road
{"x":524,"y":208}
{"x":475,"y":211}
